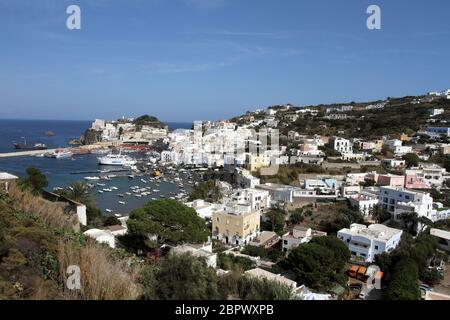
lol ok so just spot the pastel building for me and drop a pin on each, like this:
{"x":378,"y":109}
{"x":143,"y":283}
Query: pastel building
{"x":236,"y":226}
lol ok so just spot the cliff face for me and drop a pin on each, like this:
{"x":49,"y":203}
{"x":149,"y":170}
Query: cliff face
{"x":91,"y":136}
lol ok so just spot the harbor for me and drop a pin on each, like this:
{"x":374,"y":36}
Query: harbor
{"x":81,"y":163}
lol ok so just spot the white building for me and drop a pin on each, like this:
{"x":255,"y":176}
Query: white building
{"x":297,"y":236}
{"x":257,"y":199}
{"x":365,"y":202}
{"x":102,"y":236}
{"x":342,"y":145}
{"x":202,"y":251}
{"x":204,"y":209}
{"x":6,"y":179}
{"x":366,"y":242}
{"x":397,"y":147}
{"x":396,"y":200}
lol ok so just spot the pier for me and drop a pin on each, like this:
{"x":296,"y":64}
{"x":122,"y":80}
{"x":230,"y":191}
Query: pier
{"x":27,"y":153}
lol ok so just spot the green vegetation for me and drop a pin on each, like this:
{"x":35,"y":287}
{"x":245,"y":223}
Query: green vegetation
{"x":408,"y":262}
{"x":207,"y":191}
{"x":238,"y":286}
{"x":343,"y":218}
{"x":180,"y":277}
{"x":35,"y":181}
{"x":411,"y":159}
{"x":231,"y":262}
{"x":320,"y":263}
{"x":38,"y":241}
{"x":169,"y":220}
{"x":149,"y":121}
{"x":277,"y":217}
{"x":404,"y":284}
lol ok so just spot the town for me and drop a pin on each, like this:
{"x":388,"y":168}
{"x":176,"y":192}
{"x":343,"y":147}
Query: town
{"x":328,"y":202}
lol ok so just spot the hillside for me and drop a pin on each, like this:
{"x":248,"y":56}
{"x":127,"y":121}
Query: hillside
{"x":38,"y":241}
{"x":399,"y":115}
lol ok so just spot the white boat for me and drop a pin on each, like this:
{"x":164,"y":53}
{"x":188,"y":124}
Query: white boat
{"x":91,"y":178}
{"x":144,"y":181}
{"x":108,"y":210}
{"x":101,"y":184}
{"x":121,"y":202}
{"x":100,"y":191}
{"x":118,"y":215}
{"x":60,"y":154}
{"x":116,"y":160}
{"x":114,"y":188}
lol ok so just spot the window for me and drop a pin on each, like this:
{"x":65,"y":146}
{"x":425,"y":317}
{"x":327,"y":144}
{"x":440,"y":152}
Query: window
{"x":376,"y":247}
{"x":285,"y":242}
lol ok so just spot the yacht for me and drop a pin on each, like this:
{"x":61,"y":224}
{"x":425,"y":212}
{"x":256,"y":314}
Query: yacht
{"x":116,"y":160}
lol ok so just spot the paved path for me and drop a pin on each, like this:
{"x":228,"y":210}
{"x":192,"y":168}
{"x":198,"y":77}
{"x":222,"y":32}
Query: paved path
{"x":25,"y":153}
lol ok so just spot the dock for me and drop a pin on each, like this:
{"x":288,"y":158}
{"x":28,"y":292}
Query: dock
{"x":26,"y":153}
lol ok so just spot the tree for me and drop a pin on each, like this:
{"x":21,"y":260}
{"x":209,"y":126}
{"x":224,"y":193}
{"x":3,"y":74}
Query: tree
{"x":206,"y":190}
{"x":411,"y":159}
{"x":183,"y":277}
{"x":276,"y":219}
{"x":404,"y":284}
{"x":296,"y":217}
{"x":35,"y":180}
{"x":319,"y":264}
{"x":169,"y":220}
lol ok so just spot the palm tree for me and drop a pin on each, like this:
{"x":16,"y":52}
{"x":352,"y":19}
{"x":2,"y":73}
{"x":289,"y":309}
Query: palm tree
{"x":79,"y":192}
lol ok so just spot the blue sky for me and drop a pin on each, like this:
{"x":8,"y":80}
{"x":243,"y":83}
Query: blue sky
{"x":185,"y":60}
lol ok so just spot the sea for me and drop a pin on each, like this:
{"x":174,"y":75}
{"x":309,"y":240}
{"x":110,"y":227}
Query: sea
{"x":64,"y":172}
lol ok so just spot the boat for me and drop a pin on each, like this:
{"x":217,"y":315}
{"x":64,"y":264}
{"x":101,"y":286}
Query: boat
{"x":144,"y":181}
{"x":131,"y":176}
{"x":116,"y":160}
{"x":121,"y":202}
{"x":25,"y":146}
{"x":120,"y":195}
{"x":91,"y":178}
{"x":108,"y":210}
{"x":100,"y":191}
{"x":117,"y":215}
{"x":101,"y":184}
{"x":61,"y":154}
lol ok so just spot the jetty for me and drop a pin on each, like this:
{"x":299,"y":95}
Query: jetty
{"x":27,"y":153}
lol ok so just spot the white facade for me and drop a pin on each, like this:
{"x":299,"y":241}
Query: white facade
{"x":366,"y":242}
{"x":365,"y":202}
{"x":342,"y":145}
{"x":397,"y":147}
{"x":298,"y":236}
{"x":394,"y":199}
{"x":255,"y":198}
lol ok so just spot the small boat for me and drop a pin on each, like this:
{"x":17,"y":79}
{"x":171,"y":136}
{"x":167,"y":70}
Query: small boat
{"x":114,"y":188}
{"x":117,"y":215}
{"x":100,"y":191}
{"x":91,"y":178}
{"x":120,"y":195}
{"x":108,"y":210}
{"x":101,"y":184}
{"x":61,"y":154}
{"x":128,"y":193}
{"x":131,"y":176}
{"x":138,"y":196}
{"x":121,"y":202}
{"x":144,"y":181}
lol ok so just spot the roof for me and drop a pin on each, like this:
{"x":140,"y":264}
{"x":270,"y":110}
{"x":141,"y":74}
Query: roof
{"x":7,"y":176}
{"x":373,"y":232}
{"x":440,"y":233}
{"x":260,"y":273}
{"x":430,"y":295}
